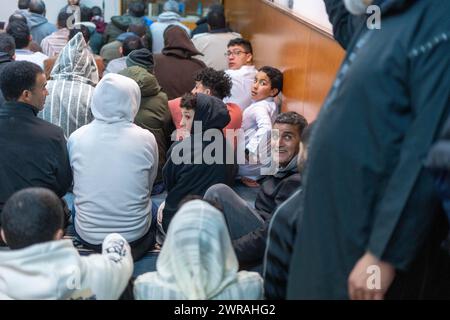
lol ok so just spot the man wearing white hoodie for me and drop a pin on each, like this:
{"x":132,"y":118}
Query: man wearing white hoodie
{"x":42,"y":266}
{"x":169,"y":17}
{"x":114,"y":163}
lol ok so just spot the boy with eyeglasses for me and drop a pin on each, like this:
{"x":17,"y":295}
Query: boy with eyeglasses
{"x":242,"y":72}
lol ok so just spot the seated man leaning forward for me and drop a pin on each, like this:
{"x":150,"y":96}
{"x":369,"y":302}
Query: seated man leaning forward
{"x":114,"y":163}
{"x":248,"y":226}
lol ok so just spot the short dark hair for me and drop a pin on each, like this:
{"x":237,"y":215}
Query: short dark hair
{"x":275,"y":76}
{"x":96,"y":11}
{"x":20,"y":31}
{"x":216,"y":20}
{"x":17,"y":17}
{"x":18,"y":76}
{"x":130,"y":44}
{"x":37,"y":6}
{"x":189,"y":101}
{"x":63,"y":17}
{"x":31,"y":216}
{"x":84,"y":31}
{"x":293,"y":118}
{"x":23,"y":4}
{"x":243,"y":43}
{"x":137,"y":9}
{"x":217,"y":81}
{"x":7,"y":44}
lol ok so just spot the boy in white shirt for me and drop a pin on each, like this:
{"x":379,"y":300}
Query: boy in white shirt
{"x":257,"y":120}
{"x":242,"y":72}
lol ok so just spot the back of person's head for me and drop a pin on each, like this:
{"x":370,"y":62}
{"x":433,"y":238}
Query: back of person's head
{"x":136,"y":9}
{"x":245,"y":44}
{"x":171,"y":5}
{"x":84,"y":31}
{"x":96,"y":11}
{"x":131,"y":43}
{"x":142,"y":58}
{"x":23,"y":4}
{"x":17,"y":17}
{"x":20,"y":31}
{"x":63,"y":17}
{"x":216,"y":20}
{"x":217,"y":81}
{"x":198,"y":256}
{"x":275,"y":76}
{"x":37,"y":6}
{"x":31,"y":216}
{"x":17,"y":77}
{"x":293,"y":118}
{"x":138,"y":29}
{"x":217,"y":7}
{"x":7,"y":45}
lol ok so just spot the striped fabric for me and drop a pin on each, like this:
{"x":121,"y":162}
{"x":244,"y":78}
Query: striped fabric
{"x":197,"y":261}
{"x":53,"y":44}
{"x":72,"y":83}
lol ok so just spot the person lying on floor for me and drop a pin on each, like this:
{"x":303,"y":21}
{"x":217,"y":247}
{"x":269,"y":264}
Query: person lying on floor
{"x":41,"y":266}
{"x":248,"y":226}
{"x":197,"y":261}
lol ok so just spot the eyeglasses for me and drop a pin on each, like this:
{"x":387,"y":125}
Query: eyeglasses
{"x":234,"y":53}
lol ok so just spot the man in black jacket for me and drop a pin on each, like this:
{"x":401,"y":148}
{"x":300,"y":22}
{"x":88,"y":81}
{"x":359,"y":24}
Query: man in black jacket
{"x":247,"y":225}
{"x":372,"y":223}
{"x":33,"y":151}
{"x":7,"y":54}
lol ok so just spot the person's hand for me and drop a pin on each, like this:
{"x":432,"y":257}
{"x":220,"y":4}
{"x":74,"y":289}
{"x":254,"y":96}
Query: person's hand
{"x":362,"y":282}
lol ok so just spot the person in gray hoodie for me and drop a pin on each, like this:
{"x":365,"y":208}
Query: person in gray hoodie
{"x":38,"y":23}
{"x":114,"y":163}
{"x":169,"y":17}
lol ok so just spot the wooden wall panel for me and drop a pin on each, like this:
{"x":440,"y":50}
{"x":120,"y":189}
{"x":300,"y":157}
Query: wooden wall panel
{"x":309,"y":58}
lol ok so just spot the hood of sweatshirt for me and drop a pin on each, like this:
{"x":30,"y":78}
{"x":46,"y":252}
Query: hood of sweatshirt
{"x":168,"y":17}
{"x":27,"y":273}
{"x":212,"y":112}
{"x":116,"y":99}
{"x":178,"y":43}
{"x":35,"y":20}
{"x":76,"y":62}
{"x":146,"y":81}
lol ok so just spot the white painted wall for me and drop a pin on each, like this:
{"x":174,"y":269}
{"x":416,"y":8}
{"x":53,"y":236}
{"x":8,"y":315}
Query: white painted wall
{"x":112,"y":8}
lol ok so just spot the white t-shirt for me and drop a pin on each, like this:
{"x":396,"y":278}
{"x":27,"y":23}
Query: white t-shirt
{"x":241,"y":92}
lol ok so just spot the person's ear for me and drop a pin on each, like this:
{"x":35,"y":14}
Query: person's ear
{"x":3,"y":236}
{"x":14,"y":57}
{"x":274,"y":92}
{"x":30,"y":38}
{"x":249,"y":58}
{"x":59,"y":234}
{"x":121,"y":51}
{"x":208,"y":92}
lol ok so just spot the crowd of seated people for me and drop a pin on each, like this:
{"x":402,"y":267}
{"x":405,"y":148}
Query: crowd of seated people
{"x":150,"y":156}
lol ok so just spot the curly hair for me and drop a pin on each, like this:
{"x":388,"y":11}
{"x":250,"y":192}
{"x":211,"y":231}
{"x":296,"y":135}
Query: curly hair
{"x":217,"y":81}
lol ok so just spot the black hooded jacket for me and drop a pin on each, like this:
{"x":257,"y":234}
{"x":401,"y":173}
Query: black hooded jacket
{"x":195,"y":178}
